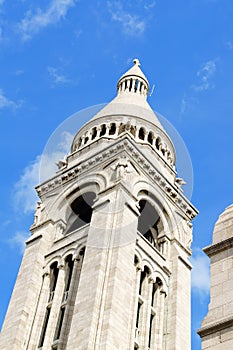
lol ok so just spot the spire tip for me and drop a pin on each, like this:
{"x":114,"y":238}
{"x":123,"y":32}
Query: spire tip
{"x":137,"y":62}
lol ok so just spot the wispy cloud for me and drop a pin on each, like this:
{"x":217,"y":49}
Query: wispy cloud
{"x":19,"y":72}
{"x":229,"y":45}
{"x":150,"y":5}
{"x":6,"y":102}
{"x":43,"y":167}
{"x":187,"y":103}
{"x":205,"y":81}
{"x":57,"y":76}
{"x":25,"y":196}
{"x":32,"y":23}
{"x":205,"y":75}
{"x":200,"y":273}
{"x":18,"y":240}
{"x":132,"y":24}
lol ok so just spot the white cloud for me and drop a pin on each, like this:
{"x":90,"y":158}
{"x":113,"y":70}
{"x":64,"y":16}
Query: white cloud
{"x":200,"y":273}
{"x":42,"y":168}
{"x":32,"y":23}
{"x":229,"y":45}
{"x":132,"y":24}
{"x":150,"y":5}
{"x":18,"y":240}
{"x":183,"y":105}
{"x":78,"y":33}
{"x":48,"y":160}
{"x":5,"y":102}
{"x":56,"y":76}
{"x":205,"y":74}
{"x":19,"y":72}
{"x":25,"y":196}
{"x":187,"y":103}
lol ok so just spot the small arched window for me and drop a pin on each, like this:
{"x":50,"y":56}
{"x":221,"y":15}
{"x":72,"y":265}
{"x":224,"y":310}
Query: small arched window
{"x":157,"y":143}
{"x":121,"y":128}
{"x":112,"y":129}
{"x":103,"y":130}
{"x":150,"y":137}
{"x":94,"y":133}
{"x":133,"y":130}
{"x":54,"y":270}
{"x":141,"y":134}
{"x":136,"y":85}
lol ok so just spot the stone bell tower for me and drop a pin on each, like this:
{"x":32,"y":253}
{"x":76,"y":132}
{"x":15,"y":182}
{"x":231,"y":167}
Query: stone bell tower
{"x":107,"y":264}
{"x":217,"y":327}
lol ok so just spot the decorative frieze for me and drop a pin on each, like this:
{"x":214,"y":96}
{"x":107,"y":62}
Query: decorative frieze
{"x":123,"y":145}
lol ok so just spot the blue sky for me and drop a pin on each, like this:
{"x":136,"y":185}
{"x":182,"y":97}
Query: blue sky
{"x":58,"y":57}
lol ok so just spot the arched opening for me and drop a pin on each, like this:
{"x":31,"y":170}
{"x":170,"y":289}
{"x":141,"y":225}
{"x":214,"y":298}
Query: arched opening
{"x":141,"y":307}
{"x":133,"y":130}
{"x":150,"y":137}
{"x":121,"y":128}
{"x":103,"y":130}
{"x":112,"y":129}
{"x":136,"y":85}
{"x":149,"y":222}
{"x":94,"y":133}
{"x":130,"y":84}
{"x":54,"y":270}
{"x":72,"y":276}
{"x":81,"y":211}
{"x":141,"y":134}
{"x":157,"y":143}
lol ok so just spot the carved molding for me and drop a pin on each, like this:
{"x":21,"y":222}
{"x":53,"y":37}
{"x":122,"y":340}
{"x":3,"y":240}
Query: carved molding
{"x":123,"y":145}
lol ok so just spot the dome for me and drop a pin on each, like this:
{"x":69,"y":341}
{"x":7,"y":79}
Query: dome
{"x":128,"y":112}
{"x":131,"y":99}
{"x":224,"y":226}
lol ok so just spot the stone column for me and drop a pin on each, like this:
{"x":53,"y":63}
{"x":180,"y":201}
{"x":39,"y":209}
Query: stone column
{"x":70,"y":303}
{"x":34,"y":337}
{"x":146,"y":311}
{"x":134,"y":333}
{"x":158,"y":327}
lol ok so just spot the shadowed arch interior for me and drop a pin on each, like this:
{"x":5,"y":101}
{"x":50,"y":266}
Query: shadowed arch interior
{"x":149,"y":222}
{"x":81,"y":211}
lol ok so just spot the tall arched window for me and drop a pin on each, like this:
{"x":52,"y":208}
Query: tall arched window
{"x":81,"y":211}
{"x":149,"y":222}
{"x":141,"y":307}
{"x":69,"y":264}
{"x":72,"y":276}
{"x":154,"y":313}
{"x":53,"y":282}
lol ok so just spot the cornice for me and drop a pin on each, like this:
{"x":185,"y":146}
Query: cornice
{"x":215,"y":327}
{"x":218,"y":247}
{"x":126,"y":145}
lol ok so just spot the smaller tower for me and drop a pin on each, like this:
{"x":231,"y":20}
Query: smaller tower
{"x":217,"y":326}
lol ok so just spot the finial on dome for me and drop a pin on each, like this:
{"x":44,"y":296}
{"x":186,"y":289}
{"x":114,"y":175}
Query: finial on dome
{"x":137,"y":62}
